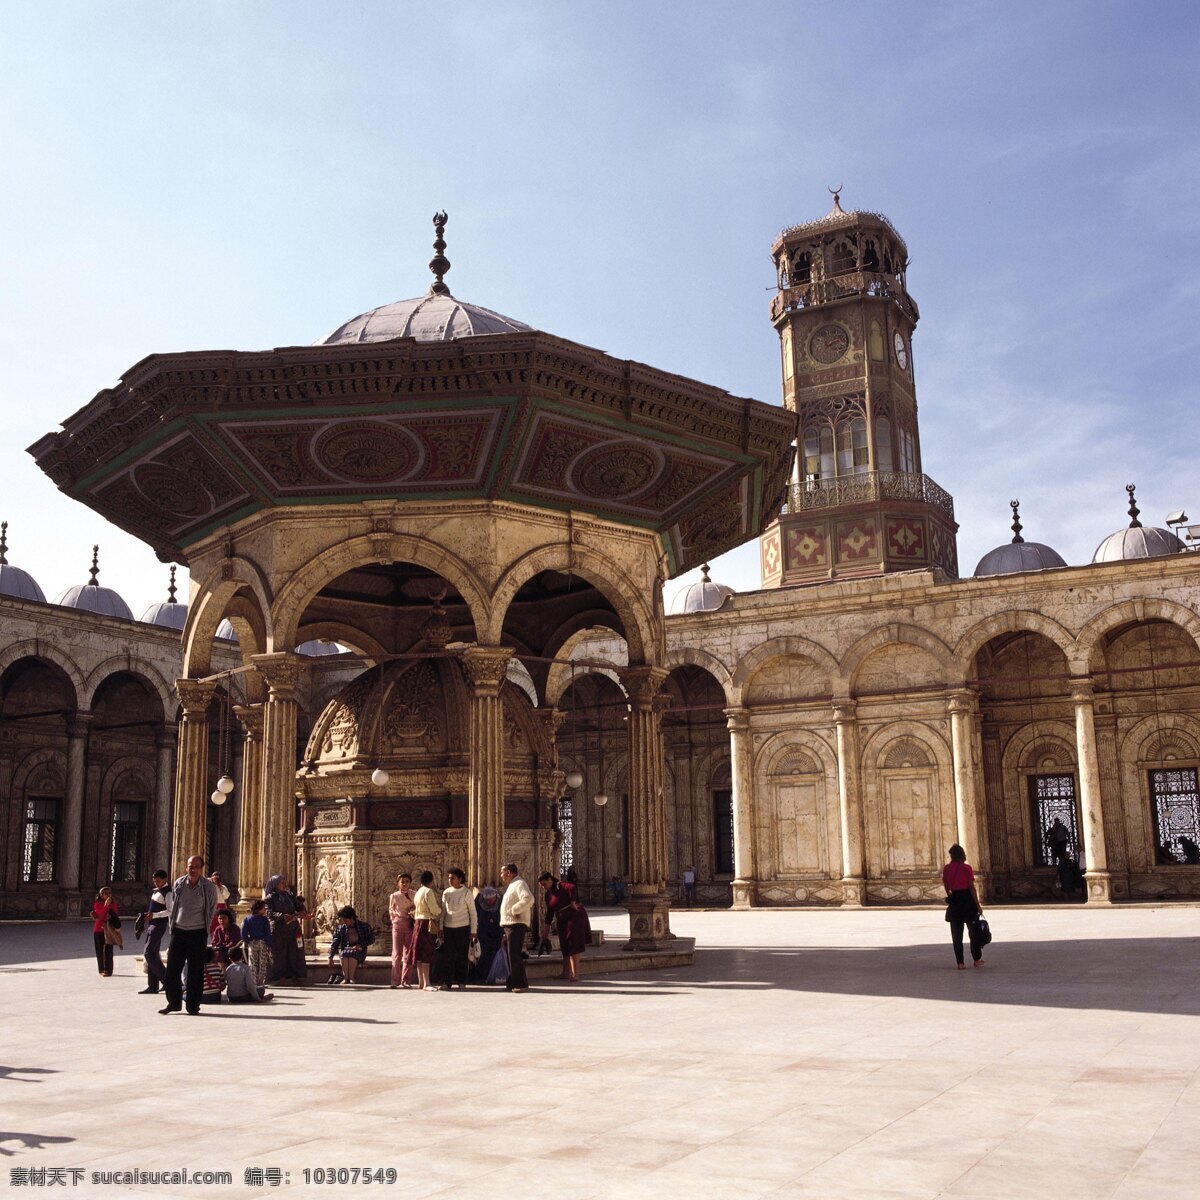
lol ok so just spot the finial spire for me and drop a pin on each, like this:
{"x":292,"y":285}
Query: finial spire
{"x":3,"y":543}
{"x":1134,"y":523}
{"x":1015,"y":505}
{"x":171,"y":588}
{"x":704,"y":572}
{"x":95,"y":579}
{"x":836,"y":194}
{"x":439,"y":264}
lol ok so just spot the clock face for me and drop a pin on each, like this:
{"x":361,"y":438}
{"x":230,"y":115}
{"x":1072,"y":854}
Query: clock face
{"x":901,"y":351}
{"x":829,"y":343}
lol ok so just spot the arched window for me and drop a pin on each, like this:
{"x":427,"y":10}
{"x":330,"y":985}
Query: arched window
{"x":883,"y":444}
{"x":841,"y":258}
{"x":853,"y":457}
{"x":827,"y":468}
{"x":908,"y":452}
{"x":566,"y":829}
{"x":801,"y":269}
{"x":812,"y":454}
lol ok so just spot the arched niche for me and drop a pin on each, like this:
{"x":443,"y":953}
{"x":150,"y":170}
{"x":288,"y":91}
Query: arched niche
{"x":777,"y":648}
{"x":895,"y":657}
{"x":1014,"y":621}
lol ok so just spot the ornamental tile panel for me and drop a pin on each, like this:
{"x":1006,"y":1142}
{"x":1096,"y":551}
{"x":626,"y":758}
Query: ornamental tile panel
{"x":857,"y":540}
{"x":806,"y":546}
{"x":906,"y":538}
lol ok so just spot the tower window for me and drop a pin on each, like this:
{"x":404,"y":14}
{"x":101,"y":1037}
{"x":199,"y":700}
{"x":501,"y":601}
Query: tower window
{"x":883,"y":444}
{"x":853,"y":457}
{"x":812,"y":455}
{"x":870,"y":257}
{"x":801,"y":269}
{"x":908,"y":452}
{"x":841,"y":259}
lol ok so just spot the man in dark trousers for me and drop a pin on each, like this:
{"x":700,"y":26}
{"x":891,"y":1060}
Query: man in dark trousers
{"x":193,"y":903}
{"x":157,"y":919}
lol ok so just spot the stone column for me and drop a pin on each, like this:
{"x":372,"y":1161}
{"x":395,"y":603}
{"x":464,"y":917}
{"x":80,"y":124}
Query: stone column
{"x":1115,"y":840}
{"x":12,"y":814}
{"x":71,"y":833}
{"x":486,"y":668}
{"x":649,"y":906}
{"x":277,"y":839}
{"x":1099,"y":882}
{"x":850,"y":806}
{"x":741,"y":762}
{"x":250,"y":858}
{"x":997,"y":812}
{"x":963,"y":707}
{"x":164,"y":790}
{"x":191,"y":772}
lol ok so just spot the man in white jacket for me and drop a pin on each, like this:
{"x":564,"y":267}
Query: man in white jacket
{"x":516,"y":909}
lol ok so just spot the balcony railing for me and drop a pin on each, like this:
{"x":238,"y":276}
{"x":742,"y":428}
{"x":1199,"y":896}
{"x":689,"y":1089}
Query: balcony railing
{"x":852,"y":283}
{"x":866,"y":488}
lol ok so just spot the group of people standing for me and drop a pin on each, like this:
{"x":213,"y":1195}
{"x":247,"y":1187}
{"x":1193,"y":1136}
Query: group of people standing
{"x":459,"y":934}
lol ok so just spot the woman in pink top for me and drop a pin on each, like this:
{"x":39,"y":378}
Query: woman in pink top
{"x":962,"y":905}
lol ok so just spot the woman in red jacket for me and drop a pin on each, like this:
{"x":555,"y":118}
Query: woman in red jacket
{"x":104,"y":908}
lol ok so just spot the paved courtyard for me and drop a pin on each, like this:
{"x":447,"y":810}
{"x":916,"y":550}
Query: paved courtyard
{"x":806,"y":1054}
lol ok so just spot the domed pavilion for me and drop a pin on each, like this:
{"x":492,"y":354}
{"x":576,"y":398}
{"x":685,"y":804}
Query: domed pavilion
{"x":452,"y":496}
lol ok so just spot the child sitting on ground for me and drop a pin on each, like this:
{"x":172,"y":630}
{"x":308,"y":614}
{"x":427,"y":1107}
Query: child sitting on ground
{"x":239,"y":980}
{"x":214,"y":978}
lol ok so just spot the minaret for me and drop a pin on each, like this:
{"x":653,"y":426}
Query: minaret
{"x":859,"y":504}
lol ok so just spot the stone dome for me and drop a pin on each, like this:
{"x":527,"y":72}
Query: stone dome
{"x":168,"y":613}
{"x":1018,"y":557}
{"x":702,"y":596}
{"x":225,"y":632}
{"x":316,"y":649}
{"x":434,"y":317}
{"x":13,"y":581}
{"x":91,"y":597}
{"x":1137,"y":542}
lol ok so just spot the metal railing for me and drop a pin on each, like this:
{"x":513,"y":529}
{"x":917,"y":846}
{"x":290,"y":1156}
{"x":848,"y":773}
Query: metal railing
{"x":867,"y":487}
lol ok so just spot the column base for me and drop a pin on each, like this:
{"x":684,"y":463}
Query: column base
{"x":649,"y":923}
{"x":745,"y":893}
{"x":1102,"y":888}
{"x":854,"y":891}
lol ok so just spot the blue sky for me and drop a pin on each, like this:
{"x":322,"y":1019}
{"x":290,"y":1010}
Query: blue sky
{"x":185,"y":176}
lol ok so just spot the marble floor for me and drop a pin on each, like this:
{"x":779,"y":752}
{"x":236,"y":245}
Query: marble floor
{"x":805,"y":1054}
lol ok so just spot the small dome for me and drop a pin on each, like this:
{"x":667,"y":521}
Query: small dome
{"x":168,"y":613}
{"x":429,"y":318}
{"x":225,"y":632}
{"x":315,"y":649}
{"x":1136,"y":541}
{"x":1018,"y":557}
{"x":1139,"y":542}
{"x":703,"y":596}
{"x":91,"y":597}
{"x":13,"y":581}
{"x":170,"y":616}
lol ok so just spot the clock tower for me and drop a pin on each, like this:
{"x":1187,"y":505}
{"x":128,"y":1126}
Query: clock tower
{"x":858,"y":503}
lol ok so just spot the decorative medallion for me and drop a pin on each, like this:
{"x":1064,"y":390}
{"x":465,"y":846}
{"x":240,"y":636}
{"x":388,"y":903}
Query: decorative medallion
{"x":171,"y":491}
{"x":905,"y":538}
{"x":806,"y":546}
{"x":615,"y":472}
{"x":365,"y":452}
{"x":828,"y":344}
{"x":277,"y":454}
{"x":857,"y":540}
{"x":770,"y":553}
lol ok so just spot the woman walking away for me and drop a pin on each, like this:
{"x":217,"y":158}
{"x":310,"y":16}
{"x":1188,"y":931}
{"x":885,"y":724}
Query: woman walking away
{"x":962,"y":905}
{"x":106,"y":929}
{"x":427,"y":912}
{"x":400,"y":909}
{"x":459,"y":931}
{"x":350,"y":941}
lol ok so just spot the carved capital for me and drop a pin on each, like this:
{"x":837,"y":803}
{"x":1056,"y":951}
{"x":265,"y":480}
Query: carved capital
{"x":251,"y":718}
{"x":77,"y":724}
{"x":642,"y":683}
{"x":1083,"y":690}
{"x":486,"y":667}
{"x":737,"y":720}
{"x":281,"y":672}
{"x":962,"y":702}
{"x":845,"y":712}
{"x":195,"y":695}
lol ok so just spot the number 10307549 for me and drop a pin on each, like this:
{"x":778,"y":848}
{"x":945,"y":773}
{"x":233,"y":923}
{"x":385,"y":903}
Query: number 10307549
{"x":350,"y":1175}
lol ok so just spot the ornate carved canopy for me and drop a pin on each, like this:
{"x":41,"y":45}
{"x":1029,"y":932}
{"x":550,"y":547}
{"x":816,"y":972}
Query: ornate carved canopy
{"x":187,"y":443}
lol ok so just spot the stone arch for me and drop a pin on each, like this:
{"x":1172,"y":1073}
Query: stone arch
{"x":1015,"y":620}
{"x":893,"y":635}
{"x":779,"y":647}
{"x":918,"y":737}
{"x":692,"y":656}
{"x":128,"y":664}
{"x":905,"y":752}
{"x":359,"y":641}
{"x":778,"y":747}
{"x":560,"y":674}
{"x":641,"y":631}
{"x":211,"y":599}
{"x":1034,"y":741}
{"x":36,"y":648}
{"x":1153,"y":736}
{"x":52,"y":765}
{"x":1144,"y":608}
{"x":307,"y":580}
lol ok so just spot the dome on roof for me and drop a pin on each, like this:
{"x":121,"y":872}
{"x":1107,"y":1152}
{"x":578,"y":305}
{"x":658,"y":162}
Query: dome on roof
{"x":434,"y":317}
{"x":1137,"y":540}
{"x":702,"y":596}
{"x":91,"y":597}
{"x":168,"y":613}
{"x":13,"y":581}
{"x":1018,"y":556}
{"x":316,"y":648}
{"x":225,"y":632}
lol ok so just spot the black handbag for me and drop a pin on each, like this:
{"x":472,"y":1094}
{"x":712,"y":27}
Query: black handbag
{"x":114,"y":921}
{"x":139,"y":926}
{"x":985,"y":932}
